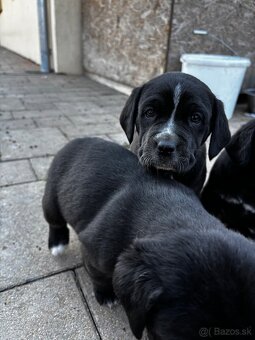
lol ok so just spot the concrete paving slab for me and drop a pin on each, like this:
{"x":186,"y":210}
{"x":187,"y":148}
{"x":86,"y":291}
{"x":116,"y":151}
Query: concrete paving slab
{"x":119,"y":138}
{"x":10,"y":95}
{"x":16,"y":172}
{"x":16,"y":124}
{"x":88,"y":108}
{"x":17,"y":82}
{"x":94,"y":119}
{"x":36,"y":114}
{"x":31,"y":142}
{"x":76,"y":96}
{"x":50,"y":309}
{"x":40,"y":98}
{"x":111,"y":323}
{"x":78,"y":108}
{"x":56,"y":121}
{"x":13,"y":63}
{"x":5,"y":115}
{"x":116,"y":100}
{"x":39,"y":106}
{"x":10,"y":104}
{"x":23,"y":237}
{"x":41,"y":166}
{"x":112,"y":109}
{"x":90,"y":130}
{"x":99,"y":89}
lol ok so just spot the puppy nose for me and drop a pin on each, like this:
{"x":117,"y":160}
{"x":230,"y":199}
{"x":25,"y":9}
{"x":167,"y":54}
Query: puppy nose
{"x":166,"y":146}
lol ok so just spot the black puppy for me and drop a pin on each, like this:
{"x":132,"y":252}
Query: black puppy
{"x":174,"y":267}
{"x":171,"y":117}
{"x":230,"y":191}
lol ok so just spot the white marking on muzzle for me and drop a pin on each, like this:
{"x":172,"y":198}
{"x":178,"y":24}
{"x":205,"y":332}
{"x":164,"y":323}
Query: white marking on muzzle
{"x":169,"y":128}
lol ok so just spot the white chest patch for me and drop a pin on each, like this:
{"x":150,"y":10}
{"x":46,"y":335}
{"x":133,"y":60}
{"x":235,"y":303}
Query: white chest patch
{"x":169,"y":127}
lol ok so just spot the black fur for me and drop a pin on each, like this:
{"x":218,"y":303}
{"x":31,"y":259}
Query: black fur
{"x":174,"y":267}
{"x":230,"y":191}
{"x":184,"y":154}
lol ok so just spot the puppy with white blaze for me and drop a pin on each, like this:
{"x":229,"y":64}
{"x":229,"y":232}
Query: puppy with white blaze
{"x":168,"y":120}
{"x":148,"y":241}
{"x":230,"y":191}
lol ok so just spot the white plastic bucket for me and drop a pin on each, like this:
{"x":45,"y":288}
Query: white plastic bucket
{"x":222,"y":74}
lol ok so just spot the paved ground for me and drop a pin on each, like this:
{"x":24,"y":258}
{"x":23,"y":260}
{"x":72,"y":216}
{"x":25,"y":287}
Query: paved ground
{"x":42,"y":297}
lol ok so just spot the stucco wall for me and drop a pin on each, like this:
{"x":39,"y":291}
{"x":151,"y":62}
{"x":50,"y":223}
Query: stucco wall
{"x":19,"y":30}
{"x":233,"y":21}
{"x":125,"y":41}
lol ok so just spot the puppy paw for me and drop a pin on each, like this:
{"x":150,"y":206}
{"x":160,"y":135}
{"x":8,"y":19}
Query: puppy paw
{"x":58,"y":250}
{"x":106,"y":298}
{"x":112,"y":304}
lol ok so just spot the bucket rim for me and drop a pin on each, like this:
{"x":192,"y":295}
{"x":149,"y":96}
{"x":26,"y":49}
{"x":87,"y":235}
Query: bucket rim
{"x":215,"y":60}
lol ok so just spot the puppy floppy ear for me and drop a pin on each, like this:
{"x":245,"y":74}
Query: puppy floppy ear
{"x":129,"y":113}
{"x":241,"y":146}
{"x":137,"y":288}
{"x":219,"y":128}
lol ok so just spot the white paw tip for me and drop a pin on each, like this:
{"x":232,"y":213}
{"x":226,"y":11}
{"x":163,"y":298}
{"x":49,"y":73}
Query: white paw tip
{"x":112,"y":304}
{"x":58,"y":250}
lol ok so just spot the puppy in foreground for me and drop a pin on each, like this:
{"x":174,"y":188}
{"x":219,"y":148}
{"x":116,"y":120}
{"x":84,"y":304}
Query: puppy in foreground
{"x":168,"y":120}
{"x":230,"y":191}
{"x":149,"y":242}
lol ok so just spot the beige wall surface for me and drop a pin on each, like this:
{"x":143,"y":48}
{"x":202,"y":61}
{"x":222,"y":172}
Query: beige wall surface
{"x":132,"y":41}
{"x":19,"y":30}
{"x":125,"y":41}
{"x":233,"y":21}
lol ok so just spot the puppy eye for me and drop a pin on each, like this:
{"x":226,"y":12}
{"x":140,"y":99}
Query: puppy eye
{"x":195,"y":118}
{"x":149,"y":113}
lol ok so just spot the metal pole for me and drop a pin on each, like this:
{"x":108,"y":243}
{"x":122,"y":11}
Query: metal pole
{"x":43,"y":32}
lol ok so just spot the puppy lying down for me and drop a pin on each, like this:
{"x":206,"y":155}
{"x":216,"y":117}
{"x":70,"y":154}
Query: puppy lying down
{"x":150,"y":243}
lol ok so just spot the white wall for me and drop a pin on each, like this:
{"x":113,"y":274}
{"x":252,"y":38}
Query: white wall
{"x":19,"y":30}
{"x":66,"y":36}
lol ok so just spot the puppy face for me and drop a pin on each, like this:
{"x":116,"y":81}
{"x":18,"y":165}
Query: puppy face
{"x":173,"y":115}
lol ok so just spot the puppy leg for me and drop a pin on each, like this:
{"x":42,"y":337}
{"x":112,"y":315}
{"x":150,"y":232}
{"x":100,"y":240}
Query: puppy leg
{"x":58,"y":238}
{"x":58,"y":230}
{"x":104,"y":295}
{"x":102,"y":286}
